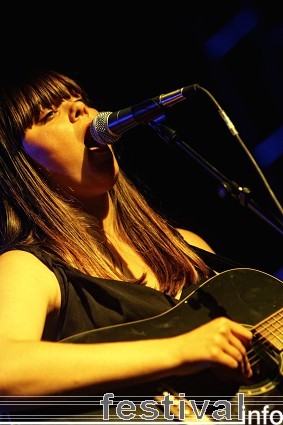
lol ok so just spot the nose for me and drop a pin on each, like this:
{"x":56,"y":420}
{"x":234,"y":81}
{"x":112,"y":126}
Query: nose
{"x":77,"y":109}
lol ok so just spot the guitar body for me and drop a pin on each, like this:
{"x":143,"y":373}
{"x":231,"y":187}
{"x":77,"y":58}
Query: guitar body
{"x":245,"y":295}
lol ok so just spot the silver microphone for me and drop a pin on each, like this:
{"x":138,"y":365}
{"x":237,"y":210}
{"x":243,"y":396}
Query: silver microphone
{"x":107,"y":127}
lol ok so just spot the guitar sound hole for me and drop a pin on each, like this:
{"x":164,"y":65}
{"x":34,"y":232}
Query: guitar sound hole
{"x":266,"y":375}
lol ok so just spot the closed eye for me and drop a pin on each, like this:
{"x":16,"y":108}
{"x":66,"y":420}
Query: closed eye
{"x":46,"y":116}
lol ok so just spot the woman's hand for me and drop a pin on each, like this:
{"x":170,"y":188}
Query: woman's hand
{"x":218,"y":343}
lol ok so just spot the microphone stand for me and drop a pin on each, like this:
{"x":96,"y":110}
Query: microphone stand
{"x":242,"y":194}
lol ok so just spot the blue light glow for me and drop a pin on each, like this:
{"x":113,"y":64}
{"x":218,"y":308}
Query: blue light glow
{"x":229,"y":35}
{"x":269,"y":150}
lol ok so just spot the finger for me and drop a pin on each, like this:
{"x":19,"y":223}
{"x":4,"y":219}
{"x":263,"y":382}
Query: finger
{"x":246,"y":368}
{"x":241,"y":332}
{"x":237,"y":344}
{"x":236,"y":350}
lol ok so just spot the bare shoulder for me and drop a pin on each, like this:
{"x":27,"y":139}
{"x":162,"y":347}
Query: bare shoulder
{"x":16,"y":261}
{"x":29,"y":294}
{"x":23,"y":269}
{"x":196,"y":240}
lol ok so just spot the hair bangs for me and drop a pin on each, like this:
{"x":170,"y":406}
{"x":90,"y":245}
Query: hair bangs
{"x":34,"y":91}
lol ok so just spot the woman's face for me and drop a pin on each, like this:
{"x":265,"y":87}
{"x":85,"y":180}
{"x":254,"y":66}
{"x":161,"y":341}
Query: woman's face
{"x":56,"y":142}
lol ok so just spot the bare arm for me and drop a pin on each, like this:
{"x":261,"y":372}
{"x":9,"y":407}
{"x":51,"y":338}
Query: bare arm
{"x":29,"y":292}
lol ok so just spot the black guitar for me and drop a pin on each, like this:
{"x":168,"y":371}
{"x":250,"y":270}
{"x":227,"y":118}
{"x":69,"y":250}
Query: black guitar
{"x":245,"y":295}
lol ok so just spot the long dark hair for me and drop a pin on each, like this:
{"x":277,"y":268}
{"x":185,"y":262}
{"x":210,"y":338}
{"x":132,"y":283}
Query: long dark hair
{"x":34,"y":213}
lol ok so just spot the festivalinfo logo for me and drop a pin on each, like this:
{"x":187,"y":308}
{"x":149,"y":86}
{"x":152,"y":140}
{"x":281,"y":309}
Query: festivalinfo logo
{"x":190,"y":412}
{"x":166,"y":409}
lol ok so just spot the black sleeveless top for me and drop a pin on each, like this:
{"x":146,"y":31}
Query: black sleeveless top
{"x":90,"y":302}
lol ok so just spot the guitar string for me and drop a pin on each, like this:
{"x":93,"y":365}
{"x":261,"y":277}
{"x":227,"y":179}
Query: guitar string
{"x":263,"y":333}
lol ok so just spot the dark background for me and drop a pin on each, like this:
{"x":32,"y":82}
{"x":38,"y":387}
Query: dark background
{"x":124,"y":54}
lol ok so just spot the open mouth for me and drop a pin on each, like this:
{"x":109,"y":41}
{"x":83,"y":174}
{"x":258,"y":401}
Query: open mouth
{"x":90,"y":142}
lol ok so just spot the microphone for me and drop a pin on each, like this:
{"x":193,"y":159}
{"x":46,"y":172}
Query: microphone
{"x":107,"y":127}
